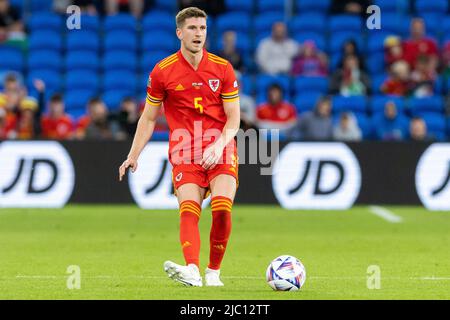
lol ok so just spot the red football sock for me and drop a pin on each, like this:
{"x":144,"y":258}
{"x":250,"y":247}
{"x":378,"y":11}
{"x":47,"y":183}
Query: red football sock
{"x":220,"y":230}
{"x":189,"y":234}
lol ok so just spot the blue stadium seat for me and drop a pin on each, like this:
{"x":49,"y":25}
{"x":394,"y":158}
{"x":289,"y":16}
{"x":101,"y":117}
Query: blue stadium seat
{"x":119,"y":60}
{"x":44,"y":59}
{"x":246,"y":84}
{"x":378,"y":103}
{"x":12,"y":59}
{"x":311,"y":84}
{"x":306,"y":101}
{"x":387,"y":6}
{"x":273,"y":6}
{"x":446,"y":25}
{"x":308,"y":23}
{"x":76,"y":100}
{"x":82,"y":40}
{"x":339,"y":38}
{"x":394,"y":23}
{"x":45,"y":20}
{"x":263,"y":22}
{"x":90,"y":23}
{"x":237,"y":21}
{"x":120,"y":40}
{"x":377,"y":81}
{"x":120,"y":81}
{"x":156,"y":20}
{"x":166,"y":5}
{"x":243,"y":42}
{"x":264,"y":81}
{"x":448,"y":127}
{"x":84,"y":79}
{"x":320,"y":6}
{"x":435,"y":125}
{"x":82,"y":60}
{"x":318,"y":38}
{"x":41,"y":5}
{"x":150,"y":58}
{"x":427,"y":104}
{"x":375,"y":43}
{"x":160,"y":40}
{"x":433,"y":23}
{"x":53,"y":80}
{"x":435,"y":6}
{"x":354,"y":104}
{"x":239,"y":5}
{"x":344,"y":22}
{"x":113,"y":98}
{"x":121,"y":21}
{"x":45,"y":40}
{"x":17,"y":4}
{"x":375,"y":63}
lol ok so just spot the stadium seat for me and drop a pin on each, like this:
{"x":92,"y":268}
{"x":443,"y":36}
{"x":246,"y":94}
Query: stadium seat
{"x":150,"y":58}
{"x":45,"y":21}
{"x":243,"y":42}
{"x":113,"y":98}
{"x":375,"y":43}
{"x":114,"y":80}
{"x":246,"y":84}
{"x":45,"y":40}
{"x":82,"y":40}
{"x":41,"y":5}
{"x":274,"y":6}
{"x":446,"y":25}
{"x":166,"y":5}
{"x":12,"y":59}
{"x":435,"y":6}
{"x":264,"y":81}
{"x":237,"y":21}
{"x":90,"y":22}
{"x":344,"y":22}
{"x":307,"y":23}
{"x":394,"y":23}
{"x":448,"y":127}
{"x":262,"y":23}
{"x":239,"y":5}
{"x":378,"y":103}
{"x":82,"y":60}
{"x":318,"y":38}
{"x":339,"y":38}
{"x":44,"y":59}
{"x":156,"y":20}
{"x":435,"y":125}
{"x":17,"y":4}
{"x":354,"y":104}
{"x":121,"y":22}
{"x":84,"y":79}
{"x":120,"y":40}
{"x":311,"y":84}
{"x":320,"y":6}
{"x":306,"y":101}
{"x":375,"y":63}
{"x":119,"y":60}
{"x":76,"y":100}
{"x":427,"y":104}
{"x":53,"y":80}
{"x":387,"y":6}
{"x":433,"y":23}
{"x":159,"y":40}
{"x":377,"y":81}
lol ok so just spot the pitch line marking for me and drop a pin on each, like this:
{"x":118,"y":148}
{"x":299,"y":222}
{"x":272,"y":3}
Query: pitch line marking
{"x":385,"y":214}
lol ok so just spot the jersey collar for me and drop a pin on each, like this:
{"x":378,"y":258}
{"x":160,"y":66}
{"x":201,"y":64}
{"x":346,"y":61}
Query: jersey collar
{"x":200,"y":65}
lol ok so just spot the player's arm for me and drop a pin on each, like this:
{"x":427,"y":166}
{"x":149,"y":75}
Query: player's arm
{"x":144,"y":131}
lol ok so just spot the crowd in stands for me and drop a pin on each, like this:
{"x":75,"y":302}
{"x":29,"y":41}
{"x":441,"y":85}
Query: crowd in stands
{"x":307,"y":87}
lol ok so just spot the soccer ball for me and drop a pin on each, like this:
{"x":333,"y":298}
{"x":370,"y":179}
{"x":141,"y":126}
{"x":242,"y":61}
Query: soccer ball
{"x":286,"y":273}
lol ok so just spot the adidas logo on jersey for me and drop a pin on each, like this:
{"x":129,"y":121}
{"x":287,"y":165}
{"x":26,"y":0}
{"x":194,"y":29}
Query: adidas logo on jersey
{"x":179,"y":87}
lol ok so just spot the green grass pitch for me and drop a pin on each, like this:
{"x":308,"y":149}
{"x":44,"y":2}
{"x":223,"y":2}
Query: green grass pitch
{"x":121,"y":249}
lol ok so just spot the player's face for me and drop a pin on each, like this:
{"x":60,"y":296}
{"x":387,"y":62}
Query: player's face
{"x":193,"y":34}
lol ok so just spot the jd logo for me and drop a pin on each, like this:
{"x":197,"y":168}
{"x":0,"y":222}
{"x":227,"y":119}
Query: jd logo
{"x":316,"y":176}
{"x":35,"y":174}
{"x":433,"y":177}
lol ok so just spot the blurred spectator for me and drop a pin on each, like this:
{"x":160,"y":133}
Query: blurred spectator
{"x":350,"y":80}
{"x":10,"y":22}
{"x":276,"y":113}
{"x":100,"y":127}
{"x":230,"y":52}
{"x":420,"y":45}
{"x":310,"y":61}
{"x":247,"y":106}
{"x":423,"y":77}
{"x":314,"y":125}
{"x":398,"y":83}
{"x":393,"y":50}
{"x":350,"y":48}
{"x":347,"y":128}
{"x":7,"y":122}
{"x":128,"y":116}
{"x":13,"y":92}
{"x":418,"y":130}
{"x":274,"y":54}
{"x":211,"y":7}
{"x":86,"y":6}
{"x":135,"y":7}
{"x":57,"y":124}
{"x":358,"y":7}
{"x":26,"y":124}
{"x":390,"y":125}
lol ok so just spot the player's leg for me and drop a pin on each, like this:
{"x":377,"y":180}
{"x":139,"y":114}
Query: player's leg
{"x":223,"y":190}
{"x":190,"y":197}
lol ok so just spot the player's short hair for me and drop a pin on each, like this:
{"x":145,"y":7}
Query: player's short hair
{"x":190,"y":12}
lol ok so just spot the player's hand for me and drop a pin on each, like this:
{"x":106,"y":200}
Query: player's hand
{"x":129,"y":163}
{"x":211,"y":156}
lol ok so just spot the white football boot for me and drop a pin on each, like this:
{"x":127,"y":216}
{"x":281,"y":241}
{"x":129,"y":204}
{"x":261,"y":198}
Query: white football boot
{"x":212,"y":278}
{"x":188,"y":275}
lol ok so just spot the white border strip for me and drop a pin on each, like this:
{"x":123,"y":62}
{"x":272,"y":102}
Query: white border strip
{"x":385,"y":214}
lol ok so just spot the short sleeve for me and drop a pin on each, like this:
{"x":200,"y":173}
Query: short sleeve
{"x":155,"y":88}
{"x":230,"y":90}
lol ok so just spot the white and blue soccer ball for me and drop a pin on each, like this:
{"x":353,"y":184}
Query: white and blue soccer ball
{"x":286,"y":273}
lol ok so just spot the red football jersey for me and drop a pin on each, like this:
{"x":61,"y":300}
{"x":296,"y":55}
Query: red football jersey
{"x":193,"y":102}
